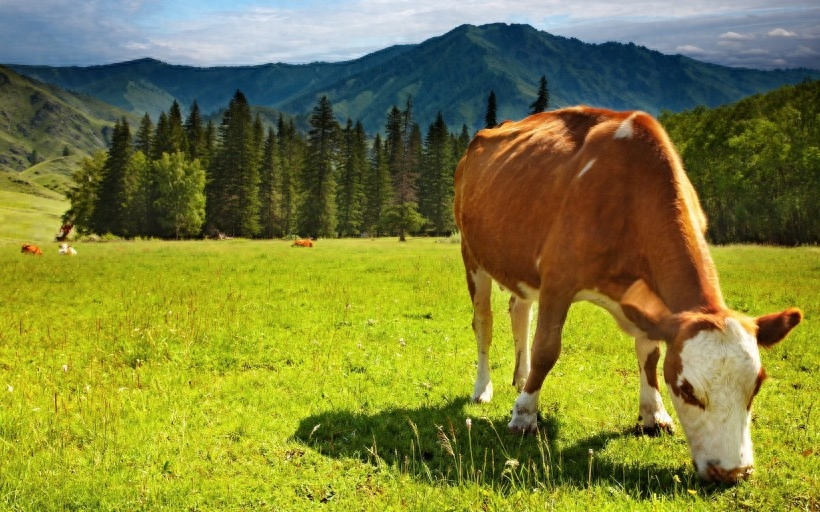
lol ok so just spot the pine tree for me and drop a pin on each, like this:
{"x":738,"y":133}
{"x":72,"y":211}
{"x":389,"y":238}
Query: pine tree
{"x":490,"y":120}
{"x":350,"y":197}
{"x":436,"y":178}
{"x":270,"y":189}
{"x":460,"y":143}
{"x":84,"y":192}
{"x":143,"y":211}
{"x":144,"y":137}
{"x":318,"y":212}
{"x":232,"y":192}
{"x":117,"y":186}
{"x":404,"y":156}
{"x":195,"y":135}
{"x":170,"y":133}
{"x":162,"y":134}
{"x":208,"y":145}
{"x":179,"y":139}
{"x":378,"y":189}
{"x":542,"y":102}
{"x":291,"y":162}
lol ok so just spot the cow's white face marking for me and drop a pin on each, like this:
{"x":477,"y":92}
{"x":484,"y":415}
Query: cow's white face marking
{"x":625,"y":129}
{"x":719,"y":375}
{"x":587,"y":167}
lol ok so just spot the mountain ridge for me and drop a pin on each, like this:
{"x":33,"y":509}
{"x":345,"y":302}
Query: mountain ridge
{"x":452,"y":73}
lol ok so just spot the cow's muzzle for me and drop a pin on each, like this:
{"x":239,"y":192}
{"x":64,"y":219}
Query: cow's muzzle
{"x":726,"y":476}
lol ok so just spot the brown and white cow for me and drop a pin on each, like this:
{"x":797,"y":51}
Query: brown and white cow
{"x":66,"y":250}
{"x":587,"y":204}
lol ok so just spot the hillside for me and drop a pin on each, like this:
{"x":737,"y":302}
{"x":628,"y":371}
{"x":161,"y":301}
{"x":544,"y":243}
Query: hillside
{"x":452,"y":73}
{"x":28,"y":218}
{"x":41,"y":123}
{"x":756,"y":165}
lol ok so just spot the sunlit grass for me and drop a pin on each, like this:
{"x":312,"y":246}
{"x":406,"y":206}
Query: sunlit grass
{"x":240,"y":375}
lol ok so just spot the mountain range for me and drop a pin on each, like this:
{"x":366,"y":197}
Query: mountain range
{"x":452,"y":73}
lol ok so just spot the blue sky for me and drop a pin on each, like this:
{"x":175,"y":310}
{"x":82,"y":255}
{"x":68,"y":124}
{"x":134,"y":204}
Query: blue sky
{"x":748,"y":33}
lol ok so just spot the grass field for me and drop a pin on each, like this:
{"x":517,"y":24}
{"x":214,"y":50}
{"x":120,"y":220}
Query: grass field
{"x":249,"y":375}
{"x":28,"y":218}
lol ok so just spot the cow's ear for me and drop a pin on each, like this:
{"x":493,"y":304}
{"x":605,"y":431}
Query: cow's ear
{"x":773,"y":328}
{"x":648,"y":312}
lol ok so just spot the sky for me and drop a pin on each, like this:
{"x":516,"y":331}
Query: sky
{"x":760,"y":34}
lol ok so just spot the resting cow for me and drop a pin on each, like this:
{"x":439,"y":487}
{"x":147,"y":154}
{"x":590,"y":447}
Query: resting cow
{"x":66,"y":250}
{"x":31,"y":249}
{"x":587,"y":204}
{"x":303,"y":242}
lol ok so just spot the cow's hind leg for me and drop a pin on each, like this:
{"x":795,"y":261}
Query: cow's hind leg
{"x":520,"y":315}
{"x":652,"y":416}
{"x":480,"y":285}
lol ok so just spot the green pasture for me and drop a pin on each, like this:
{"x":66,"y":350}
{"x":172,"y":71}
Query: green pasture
{"x":28,"y":218}
{"x":250,"y":375}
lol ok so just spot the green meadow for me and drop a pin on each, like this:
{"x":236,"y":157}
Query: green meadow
{"x":250,"y":375}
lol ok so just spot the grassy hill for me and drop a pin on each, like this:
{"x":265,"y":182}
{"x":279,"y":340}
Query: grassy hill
{"x":41,"y":122}
{"x":26,"y":217}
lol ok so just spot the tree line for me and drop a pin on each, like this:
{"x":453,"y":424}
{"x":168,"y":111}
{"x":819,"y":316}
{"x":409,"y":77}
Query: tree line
{"x":756,"y":165}
{"x":186,"y":178}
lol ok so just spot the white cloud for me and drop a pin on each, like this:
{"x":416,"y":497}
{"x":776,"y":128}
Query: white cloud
{"x":781,"y":32}
{"x":734,"y":36}
{"x":688,"y":49}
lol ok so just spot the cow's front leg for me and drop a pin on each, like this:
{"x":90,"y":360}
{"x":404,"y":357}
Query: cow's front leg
{"x":520,"y":315}
{"x":652,"y":416}
{"x":480,"y":285}
{"x":546,"y":347}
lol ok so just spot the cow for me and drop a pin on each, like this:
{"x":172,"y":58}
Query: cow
{"x":31,"y":249}
{"x":590,"y":204}
{"x":303,"y":242}
{"x":65,"y":229}
{"x":66,"y":250}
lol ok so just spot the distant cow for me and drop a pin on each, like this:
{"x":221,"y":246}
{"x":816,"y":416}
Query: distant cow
{"x":587,"y":204}
{"x":303,"y":242}
{"x":65,"y":229}
{"x":66,"y":250}
{"x":31,"y":249}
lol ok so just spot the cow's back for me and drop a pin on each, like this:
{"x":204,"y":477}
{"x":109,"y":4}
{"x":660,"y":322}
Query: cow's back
{"x":583,"y":191}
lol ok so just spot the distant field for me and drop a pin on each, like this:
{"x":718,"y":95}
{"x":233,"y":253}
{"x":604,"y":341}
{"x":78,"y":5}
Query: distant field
{"x":29,"y":218}
{"x":249,"y":375}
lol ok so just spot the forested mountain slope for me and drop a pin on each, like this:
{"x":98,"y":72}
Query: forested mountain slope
{"x":756,"y":165}
{"x":452,"y":73}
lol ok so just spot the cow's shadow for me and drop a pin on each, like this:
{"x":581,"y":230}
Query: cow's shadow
{"x":433,"y":444}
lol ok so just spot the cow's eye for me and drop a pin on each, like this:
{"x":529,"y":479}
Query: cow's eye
{"x":687,"y":393}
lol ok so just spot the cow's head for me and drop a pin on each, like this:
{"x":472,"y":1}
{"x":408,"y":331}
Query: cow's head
{"x":713,"y":371}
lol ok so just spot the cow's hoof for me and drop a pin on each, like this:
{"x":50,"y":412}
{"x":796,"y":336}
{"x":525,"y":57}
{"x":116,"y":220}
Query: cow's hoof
{"x":483,"y":394}
{"x":523,"y":430}
{"x":525,"y":414}
{"x":653,"y":430}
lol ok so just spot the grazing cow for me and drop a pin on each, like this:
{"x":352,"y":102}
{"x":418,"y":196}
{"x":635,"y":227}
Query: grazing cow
{"x":67,"y":250}
{"x":31,"y":249}
{"x":303,"y":242}
{"x":587,"y":204}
